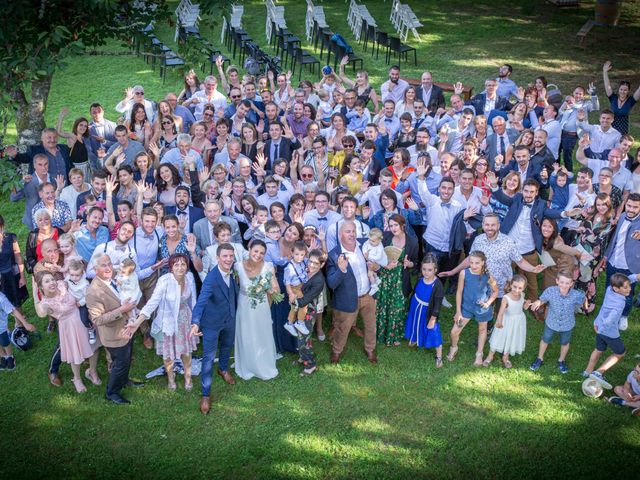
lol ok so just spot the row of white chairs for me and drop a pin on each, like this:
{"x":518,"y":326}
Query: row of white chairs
{"x":404,"y":20}
{"x":187,"y":16}
{"x":359,"y":13}
{"x":235,"y":20}
{"x":314,"y":14}
{"x":274,"y":15}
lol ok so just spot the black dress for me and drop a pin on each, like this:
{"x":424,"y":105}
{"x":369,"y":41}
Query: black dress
{"x":79,"y":156}
{"x":9,"y":280}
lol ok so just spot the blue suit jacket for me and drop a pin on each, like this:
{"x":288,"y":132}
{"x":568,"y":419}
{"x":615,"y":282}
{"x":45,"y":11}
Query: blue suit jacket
{"x":216,"y":303}
{"x":631,"y":246}
{"x":109,"y":136}
{"x":478,"y":101}
{"x":195,"y":214}
{"x":533,"y":171}
{"x":539,"y":211}
{"x":344,"y":285}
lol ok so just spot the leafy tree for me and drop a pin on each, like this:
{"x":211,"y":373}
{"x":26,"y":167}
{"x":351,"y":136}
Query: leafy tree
{"x":39,"y":36}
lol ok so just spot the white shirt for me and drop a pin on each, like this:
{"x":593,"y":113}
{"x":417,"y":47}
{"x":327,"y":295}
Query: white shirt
{"x":521,"y":232}
{"x":618,"y":259}
{"x":117,"y":253}
{"x":433,"y":153}
{"x":489,"y":104}
{"x":623,"y":178}
{"x":372,"y":196}
{"x":600,"y":140}
{"x":473,"y":201}
{"x":218,"y":100}
{"x":359,"y":266}
{"x":439,"y":218}
{"x":69,"y":195}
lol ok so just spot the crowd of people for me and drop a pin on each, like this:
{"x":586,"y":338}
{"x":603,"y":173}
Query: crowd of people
{"x":247,"y":215}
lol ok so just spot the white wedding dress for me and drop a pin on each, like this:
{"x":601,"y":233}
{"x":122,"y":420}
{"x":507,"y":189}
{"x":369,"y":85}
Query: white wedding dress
{"x":255,"y":349}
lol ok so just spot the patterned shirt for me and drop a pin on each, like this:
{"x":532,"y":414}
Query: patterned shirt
{"x":500,"y":253}
{"x":60,"y":215}
{"x":562,"y":308}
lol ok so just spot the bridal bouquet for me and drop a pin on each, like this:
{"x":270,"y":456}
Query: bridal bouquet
{"x":258,"y":291}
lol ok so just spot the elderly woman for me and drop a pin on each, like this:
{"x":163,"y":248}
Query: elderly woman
{"x":389,"y":203}
{"x":58,"y":302}
{"x":173,"y":299}
{"x":42,"y":232}
{"x":200,"y":143}
{"x":393,"y":305}
{"x":400,"y":164}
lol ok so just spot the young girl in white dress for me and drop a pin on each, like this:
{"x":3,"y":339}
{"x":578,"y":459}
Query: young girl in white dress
{"x":510,"y":333}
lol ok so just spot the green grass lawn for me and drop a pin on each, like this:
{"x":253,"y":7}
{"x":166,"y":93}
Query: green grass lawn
{"x":399,"y":419}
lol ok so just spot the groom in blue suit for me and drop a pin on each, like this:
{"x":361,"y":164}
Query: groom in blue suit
{"x":214,"y":318}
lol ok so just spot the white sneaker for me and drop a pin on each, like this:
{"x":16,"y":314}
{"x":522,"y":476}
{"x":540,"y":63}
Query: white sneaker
{"x":623,"y":324}
{"x":445,"y":303}
{"x":301,"y":327}
{"x":600,"y":379}
{"x":92,"y":337}
{"x":291,"y":329}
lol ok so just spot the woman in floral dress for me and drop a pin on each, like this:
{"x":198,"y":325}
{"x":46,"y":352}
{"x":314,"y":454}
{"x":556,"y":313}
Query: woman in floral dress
{"x":393,"y":302}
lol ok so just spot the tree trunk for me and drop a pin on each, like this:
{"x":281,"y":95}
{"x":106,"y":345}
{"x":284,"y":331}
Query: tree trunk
{"x":30,"y":112}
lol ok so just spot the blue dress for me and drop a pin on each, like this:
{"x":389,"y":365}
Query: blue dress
{"x":416,"y":330}
{"x":476,"y":290}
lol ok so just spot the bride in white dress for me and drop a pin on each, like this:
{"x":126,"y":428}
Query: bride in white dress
{"x":255,"y":348}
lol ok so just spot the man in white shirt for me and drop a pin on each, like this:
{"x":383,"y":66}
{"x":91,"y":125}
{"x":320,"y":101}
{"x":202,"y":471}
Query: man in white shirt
{"x":117,"y":249}
{"x":581,"y":195}
{"x":423,"y":144}
{"x":349,"y":208}
{"x":551,"y":126}
{"x":132,"y":96}
{"x":604,"y":136}
{"x":394,"y":88}
{"x":210,"y":94}
{"x":454,"y":134}
{"x":622,"y":178}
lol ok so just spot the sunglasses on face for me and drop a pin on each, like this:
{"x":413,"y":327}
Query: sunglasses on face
{"x":207,"y":114}
{"x":167,"y":122}
{"x":307,"y":175}
{"x":139,"y":93}
{"x":236,"y":96}
{"x":349,"y":146}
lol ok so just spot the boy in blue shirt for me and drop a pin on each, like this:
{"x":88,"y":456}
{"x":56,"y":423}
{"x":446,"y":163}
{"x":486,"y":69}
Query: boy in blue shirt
{"x":561,"y":318}
{"x":607,"y":328}
{"x":559,"y":182}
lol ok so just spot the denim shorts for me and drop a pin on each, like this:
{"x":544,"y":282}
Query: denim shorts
{"x":615,"y":344}
{"x":549,"y":333}
{"x":4,"y":339}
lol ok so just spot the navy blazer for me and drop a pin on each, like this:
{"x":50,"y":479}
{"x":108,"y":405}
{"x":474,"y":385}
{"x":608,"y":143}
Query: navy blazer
{"x":533,"y":171}
{"x":478,"y":101}
{"x":436,"y":100}
{"x":109,"y":136}
{"x":216,"y":303}
{"x":631,"y":246}
{"x":195,"y":214}
{"x":492,"y":145}
{"x":539,"y":211}
{"x":344,"y":285}
{"x":285,"y":150}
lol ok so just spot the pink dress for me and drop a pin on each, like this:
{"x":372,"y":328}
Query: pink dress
{"x":74,"y":340}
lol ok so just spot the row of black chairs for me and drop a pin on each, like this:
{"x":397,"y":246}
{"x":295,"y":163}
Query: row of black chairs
{"x":391,"y":44}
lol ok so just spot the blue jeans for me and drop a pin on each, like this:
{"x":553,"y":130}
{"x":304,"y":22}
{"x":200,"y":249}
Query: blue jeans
{"x":567,"y":144}
{"x":629,"y":300}
{"x":225,"y":333}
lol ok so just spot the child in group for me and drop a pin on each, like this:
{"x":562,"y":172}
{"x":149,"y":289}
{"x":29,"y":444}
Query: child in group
{"x":89,"y":201}
{"x":628,"y":395}
{"x":559,"y":182}
{"x":77,"y":284}
{"x":7,"y":362}
{"x":295,"y":276}
{"x":510,"y":332}
{"x":477,"y":290}
{"x":607,"y":327}
{"x":422,"y":327}
{"x":67,"y":244}
{"x":373,"y":251}
{"x":125,"y":214}
{"x":324,"y":107}
{"x":562,"y":301}
{"x":257,"y":228}
{"x":128,"y":285}
{"x":359,"y":117}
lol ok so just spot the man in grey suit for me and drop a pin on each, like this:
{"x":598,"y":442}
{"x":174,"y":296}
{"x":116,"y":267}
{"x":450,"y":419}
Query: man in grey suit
{"x":203,"y":228}
{"x":102,"y":133}
{"x":31,"y":183}
{"x":499,"y":140}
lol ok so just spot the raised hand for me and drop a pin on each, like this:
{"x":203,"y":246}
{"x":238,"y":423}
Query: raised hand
{"x":203,"y":175}
{"x":585,"y":141}
{"x":60,"y":182}
{"x":128,"y":92}
{"x":520,"y":94}
{"x":191,"y":243}
{"x":111,"y":184}
{"x":261,"y":159}
{"x":458,"y":88}
{"x":344,"y":60}
{"x":484,"y":199}
{"x":226,"y":190}
{"x":219,"y":61}
{"x":412,"y":204}
{"x":607,"y":66}
{"x":422,"y":168}
{"x":120,"y":160}
{"x":493,"y":179}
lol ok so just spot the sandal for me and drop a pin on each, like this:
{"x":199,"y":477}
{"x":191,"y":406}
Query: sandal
{"x":478,"y":362}
{"x":487,"y":362}
{"x":507,"y":364}
{"x":438,"y":362}
{"x":451,"y":356}
{"x":80,"y":388}
{"x":95,"y":380}
{"x":308,"y":371}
